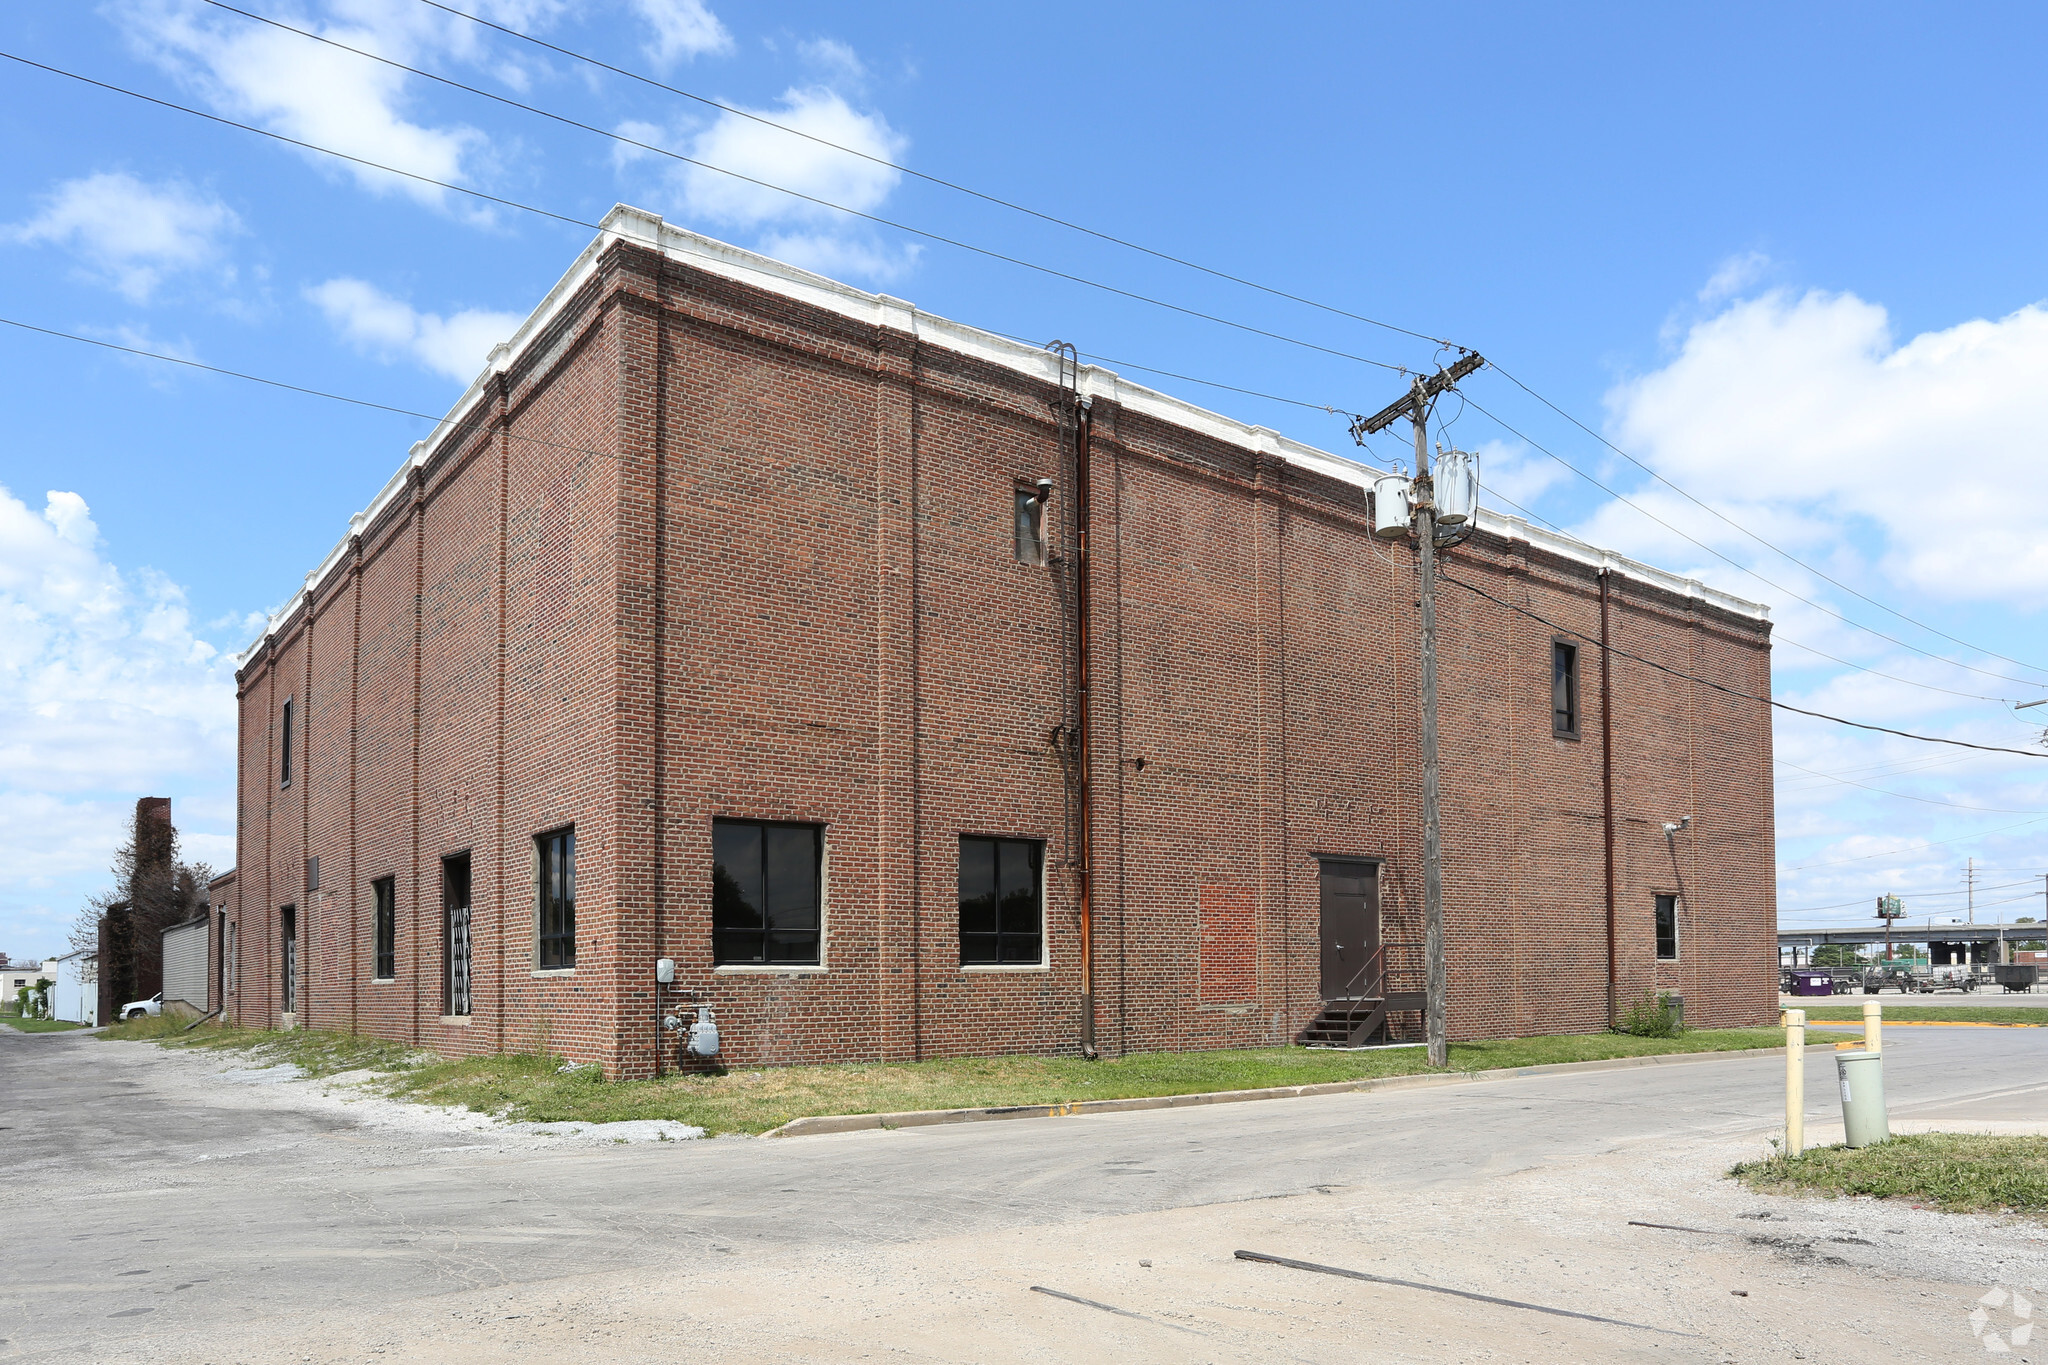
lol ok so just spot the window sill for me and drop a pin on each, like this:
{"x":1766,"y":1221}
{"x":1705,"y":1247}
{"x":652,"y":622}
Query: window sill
{"x":770,"y":969}
{"x":383,"y":981}
{"x":553,"y":971}
{"x":457,"y":1020}
{"x":979,"y":967}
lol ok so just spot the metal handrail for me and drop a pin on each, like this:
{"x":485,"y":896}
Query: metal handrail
{"x":1378,"y":955}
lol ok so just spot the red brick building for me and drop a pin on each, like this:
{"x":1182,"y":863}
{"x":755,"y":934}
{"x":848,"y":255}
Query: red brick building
{"x":742,"y":618}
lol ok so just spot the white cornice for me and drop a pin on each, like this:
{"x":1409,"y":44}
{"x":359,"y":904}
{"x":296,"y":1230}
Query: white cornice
{"x":625,"y":223}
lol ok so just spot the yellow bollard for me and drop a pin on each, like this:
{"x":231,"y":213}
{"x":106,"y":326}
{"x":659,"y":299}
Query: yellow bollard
{"x":1873,"y":1026}
{"x":1795,"y":1082}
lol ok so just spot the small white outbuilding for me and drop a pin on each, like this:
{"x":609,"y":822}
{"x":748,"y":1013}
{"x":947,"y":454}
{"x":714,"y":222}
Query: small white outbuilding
{"x":75,"y":994}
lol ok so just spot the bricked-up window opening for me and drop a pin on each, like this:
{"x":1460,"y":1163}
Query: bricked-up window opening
{"x":557,"y":894}
{"x":455,"y":934}
{"x":284,"y":746}
{"x":288,"y":958}
{"x":1667,"y":928}
{"x":1002,"y":902}
{"x":1564,"y":689}
{"x":384,"y":928}
{"x":1029,"y":518}
{"x":765,"y":892}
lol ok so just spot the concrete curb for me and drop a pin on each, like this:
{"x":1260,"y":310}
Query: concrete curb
{"x":923,"y":1118}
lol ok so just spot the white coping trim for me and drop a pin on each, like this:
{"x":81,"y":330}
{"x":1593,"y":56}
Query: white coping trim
{"x":625,"y":223}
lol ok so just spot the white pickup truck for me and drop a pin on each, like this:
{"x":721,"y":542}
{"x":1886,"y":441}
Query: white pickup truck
{"x":135,"y":1009}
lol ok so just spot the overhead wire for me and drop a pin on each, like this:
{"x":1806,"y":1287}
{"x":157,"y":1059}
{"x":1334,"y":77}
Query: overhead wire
{"x":928,"y":235}
{"x":1885,"y":769}
{"x":1927,"y":800}
{"x":1149,"y":251}
{"x":509,"y":203}
{"x":925,"y":176}
{"x":1914,"y":848}
{"x":1775,"y":549}
{"x":1734,"y":691}
{"x":1917,"y":895}
{"x":438,"y":422}
{"x":1742,"y":568}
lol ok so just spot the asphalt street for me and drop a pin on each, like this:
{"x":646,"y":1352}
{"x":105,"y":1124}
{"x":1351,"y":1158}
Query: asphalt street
{"x":147,"y":1201}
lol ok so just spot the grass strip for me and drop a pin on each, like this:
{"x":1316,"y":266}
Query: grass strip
{"x":1954,"y":1172}
{"x":535,"y":1087}
{"x":1936,"y":1014}
{"x":39,"y":1025}
{"x":315,"y":1053}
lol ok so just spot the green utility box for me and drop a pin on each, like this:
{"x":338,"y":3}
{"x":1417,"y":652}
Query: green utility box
{"x":1863,"y":1116}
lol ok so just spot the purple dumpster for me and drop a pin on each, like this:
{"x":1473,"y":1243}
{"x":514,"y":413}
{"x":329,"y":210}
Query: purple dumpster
{"x":1813,"y":983}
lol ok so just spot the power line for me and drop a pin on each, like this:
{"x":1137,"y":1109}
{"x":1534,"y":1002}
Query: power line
{"x":1886,"y":769}
{"x":1191,"y":265}
{"x":1940,"y":914}
{"x":294,"y":388}
{"x":1911,"y":848}
{"x":1736,"y":692}
{"x":1917,"y":895}
{"x":921,"y":175}
{"x":1787,"y":554}
{"x":1928,"y":800}
{"x":1752,"y":572}
{"x":706,"y":165}
{"x":1119,"y":241}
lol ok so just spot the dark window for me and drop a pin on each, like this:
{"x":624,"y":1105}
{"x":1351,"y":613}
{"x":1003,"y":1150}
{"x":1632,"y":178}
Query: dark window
{"x":1029,"y":521}
{"x":1564,"y":689}
{"x":455,"y":934}
{"x":312,"y":874}
{"x":764,"y":892}
{"x":557,"y":893}
{"x":1002,"y":901}
{"x":288,"y":958}
{"x":385,"y":927}
{"x":1667,"y":928}
{"x":284,"y":746}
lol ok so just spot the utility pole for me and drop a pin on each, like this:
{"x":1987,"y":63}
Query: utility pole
{"x":1970,"y":886}
{"x":1415,"y":407}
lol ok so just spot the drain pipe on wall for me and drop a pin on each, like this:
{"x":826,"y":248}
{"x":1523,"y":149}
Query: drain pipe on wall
{"x":1083,"y":842}
{"x":1607,"y":795}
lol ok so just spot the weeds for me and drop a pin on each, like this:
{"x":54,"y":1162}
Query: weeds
{"x":1652,"y":1016}
{"x":1954,"y":1172}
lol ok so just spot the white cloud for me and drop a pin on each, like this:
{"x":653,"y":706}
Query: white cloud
{"x":456,"y":346}
{"x":683,"y":30}
{"x":130,"y":233}
{"x":106,"y":694}
{"x":1811,"y":423}
{"x":794,"y":162}
{"x":801,"y":230}
{"x":1736,"y":274}
{"x":840,"y":256}
{"x":1515,"y":472}
{"x":839,"y":62}
{"x":322,"y":95}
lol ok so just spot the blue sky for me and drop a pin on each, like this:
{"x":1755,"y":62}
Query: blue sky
{"x":1790,"y":257}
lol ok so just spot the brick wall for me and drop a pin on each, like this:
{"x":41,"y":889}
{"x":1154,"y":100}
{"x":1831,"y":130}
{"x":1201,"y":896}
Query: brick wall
{"x":707,"y":550}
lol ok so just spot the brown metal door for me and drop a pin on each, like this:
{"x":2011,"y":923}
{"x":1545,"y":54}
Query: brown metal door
{"x":1351,"y":928}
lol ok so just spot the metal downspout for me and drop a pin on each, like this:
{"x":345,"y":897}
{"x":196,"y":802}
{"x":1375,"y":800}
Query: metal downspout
{"x":1082,"y":841}
{"x":1607,"y":796}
